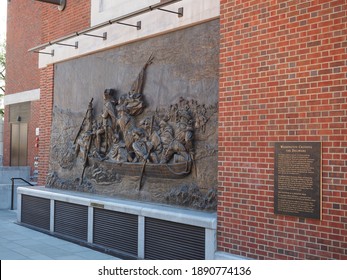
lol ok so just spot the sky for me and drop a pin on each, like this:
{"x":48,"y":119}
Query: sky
{"x":3,"y":12}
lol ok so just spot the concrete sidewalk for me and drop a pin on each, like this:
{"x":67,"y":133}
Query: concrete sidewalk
{"x":21,"y":243}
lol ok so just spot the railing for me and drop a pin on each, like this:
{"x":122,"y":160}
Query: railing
{"x":12,"y":190}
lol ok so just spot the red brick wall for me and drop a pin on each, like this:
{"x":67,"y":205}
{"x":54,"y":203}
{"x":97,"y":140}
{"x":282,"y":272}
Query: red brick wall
{"x":22,"y":74}
{"x":24,"y":32}
{"x":45,"y":120}
{"x":282,"y":78}
{"x":55,"y":24}
{"x":34,"y":123}
{"x":32,"y":23}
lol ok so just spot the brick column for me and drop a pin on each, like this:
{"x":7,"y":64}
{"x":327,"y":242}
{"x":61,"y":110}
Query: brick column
{"x":45,"y":122}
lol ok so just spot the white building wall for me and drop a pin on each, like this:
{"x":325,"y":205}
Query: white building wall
{"x":24,"y":96}
{"x":153,"y":23}
{"x":103,"y":10}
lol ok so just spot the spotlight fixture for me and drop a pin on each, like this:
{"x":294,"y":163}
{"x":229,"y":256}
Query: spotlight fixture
{"x":61,"y":3}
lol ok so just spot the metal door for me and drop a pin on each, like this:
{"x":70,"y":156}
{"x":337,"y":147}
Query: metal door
{"x":19,"y":144}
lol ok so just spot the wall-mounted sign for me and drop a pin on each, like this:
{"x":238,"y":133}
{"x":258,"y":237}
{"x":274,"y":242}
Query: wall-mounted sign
{"x":297,"y":179}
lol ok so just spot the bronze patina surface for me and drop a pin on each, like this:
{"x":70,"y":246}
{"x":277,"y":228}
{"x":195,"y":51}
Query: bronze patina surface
{"x":140,"y":121}
{"x":298,"y":179}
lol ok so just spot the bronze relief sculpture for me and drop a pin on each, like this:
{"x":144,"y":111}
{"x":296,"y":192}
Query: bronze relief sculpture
{"x":126,"y":143}
{"x":154,"y":145}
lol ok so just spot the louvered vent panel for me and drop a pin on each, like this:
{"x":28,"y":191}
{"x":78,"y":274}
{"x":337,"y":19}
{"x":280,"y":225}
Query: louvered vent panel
{"x":173,"y":241}
{"x":116,"y":230}
{"x":35,"y":212}
{"x":71,"y":220}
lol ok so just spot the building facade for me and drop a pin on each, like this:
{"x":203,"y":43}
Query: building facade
{"x":22,"y":85}
{"x":282,"y":79}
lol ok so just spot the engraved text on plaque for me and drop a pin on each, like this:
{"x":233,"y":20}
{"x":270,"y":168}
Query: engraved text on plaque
{"x":298,"y":179}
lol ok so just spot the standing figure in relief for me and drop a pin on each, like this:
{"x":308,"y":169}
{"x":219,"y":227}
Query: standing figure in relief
{"x":143,"y":149}
{"x":172,"y":148}
{"x":185,"y":129}
{"x":109,"y":120}
{"x":126,"y":124}
{"x":152,"y":135}
{"x":85,"y":134}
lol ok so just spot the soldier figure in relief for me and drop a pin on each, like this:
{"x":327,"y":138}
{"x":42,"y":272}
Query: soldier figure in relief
{"x":118,"y":151}
{"x":108,"y":122}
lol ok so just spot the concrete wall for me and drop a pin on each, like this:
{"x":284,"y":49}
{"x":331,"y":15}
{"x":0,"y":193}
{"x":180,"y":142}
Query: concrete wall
{"x":143,"y":212}
{"x":6,"y":195}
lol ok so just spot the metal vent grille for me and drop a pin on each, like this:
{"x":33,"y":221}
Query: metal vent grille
{"x":173,"y":241}
{"x":116,"y":230}
{"x":71,"y":220}
{"x":35,"y":212}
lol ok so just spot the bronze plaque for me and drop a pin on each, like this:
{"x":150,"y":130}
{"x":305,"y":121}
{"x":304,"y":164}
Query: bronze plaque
{"x":97,"y":205}
{"x":298,"y":179}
